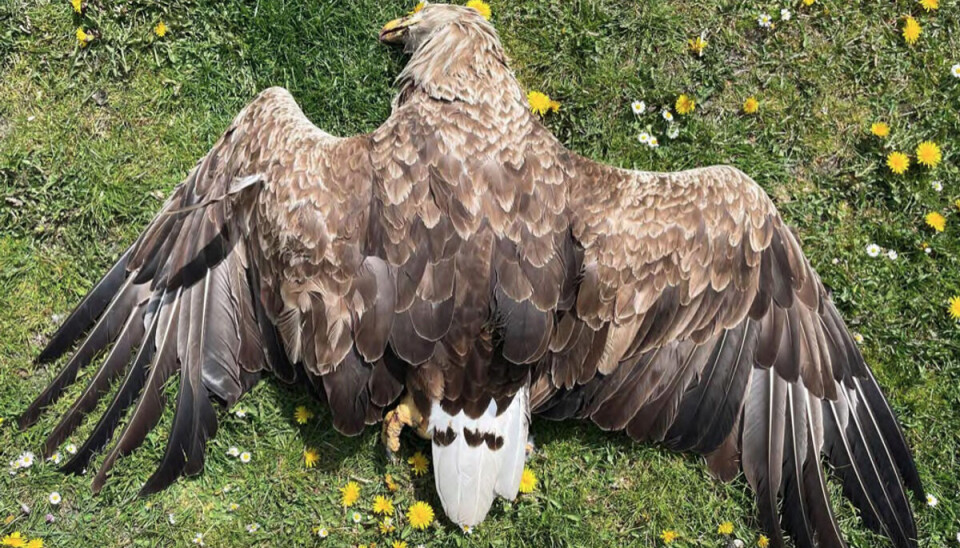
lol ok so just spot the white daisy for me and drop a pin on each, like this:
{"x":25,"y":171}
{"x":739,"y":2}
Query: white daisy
{"x":245,"y":457}
{"x":226,"y":488}
{"x":873,"y":250}
{"x":26,"y":459}
{"x":892,"y":255}
{"x":835,"y":261}
{"x":198,"y":539}
{"x":667,"y":115}
{"x":928,"y":250}
{"x":932,"y":500}
{"x":764,"y":20}
{"x":785,"y":14}
{"x":737,"y":543}
{"x":639,"y":107}
{"x":171,"y":520}
{"x":54,"y":498}
{"x":673,"y":132}
{"x":240,"y":413}
{"x":233,"y":452}
{"x":71,"y":448}
{"x":858,"y":338}
{"x":356,"y":517}
{"x":644,"y":137}
{"x":654,"y":143}
{"x":55,"y":458}
{"x":253,"y":527}
{"x":322,"y":532}
{"x":233,"y":507}
{"x":467,"y":530}
{"x":937,"y":186}
{"x":955,"y":70}
{"x":958,"y":537}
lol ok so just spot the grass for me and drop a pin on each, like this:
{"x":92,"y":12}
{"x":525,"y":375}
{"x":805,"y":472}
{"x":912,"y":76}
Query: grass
{"x":92,"y":139}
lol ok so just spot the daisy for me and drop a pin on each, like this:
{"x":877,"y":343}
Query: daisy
{"x":386,"y":526}
{"x":932,"y":500}
{"x":928,"y":154}
{"x":858,"y":338}
{"x":350,"y":493}
{"x":356,"y":517}
{"x":765,"y":21}
{"x":673,"y":132}
{"x":233,"y":507}
{"x":892,"y":255}
{"x":667,"y":115}
{"x":937,"y":186}
{"x":55,"y":458}
{"x":198,"y":539}
{"x":245,"y":457}
{"x":955,"y":70}
{"x":71,"y":448}
{"x":253,"y":527}
{"x":528,"y":481}
{"x":233,"y":451}
{"x":785,"y":14}
{"x":171,"y":520}
{"x":240,"y":413}
{"x":644,"y":137}
{"x":927,"y":249}
{"x":654,"y":143}
{"x":638,"y":107}
{"x":322,"y":532}
{"x":873,"y":250}
{"x":420,"y":515}
{"x":936,"y":221}
{"x":419,"y":464}
{"x":54,"y":498}
{"x":26,"y":459}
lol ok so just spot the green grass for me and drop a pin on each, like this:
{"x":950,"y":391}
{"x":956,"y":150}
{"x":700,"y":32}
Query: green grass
{"x":79,"y":180}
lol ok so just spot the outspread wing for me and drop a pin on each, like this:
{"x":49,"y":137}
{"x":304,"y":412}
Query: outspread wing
{"x":700,"y":324}
{"x":254,"y":263}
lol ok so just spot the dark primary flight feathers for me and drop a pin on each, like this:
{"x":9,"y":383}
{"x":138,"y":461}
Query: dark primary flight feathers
{"x":461,"y":256}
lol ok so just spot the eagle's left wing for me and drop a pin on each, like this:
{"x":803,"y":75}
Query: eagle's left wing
{"x":700,"y":324}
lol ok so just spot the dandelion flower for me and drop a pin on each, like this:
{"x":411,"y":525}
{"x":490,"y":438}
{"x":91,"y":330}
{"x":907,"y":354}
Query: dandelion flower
{"x":638,"y":107}
{"x":539,"y":102}
{"x":71,"y":448}
{"x":725,"y":528}
{"x":932,"y":500}
{"x":419,"y":464}
{"x":751,"y":105}
{"x":391,"y":485}
{"x":808,"y":2}
{"x":765,"y":21}
{"x":667,"y":115}
{"x":350,"y":492}
{"x":911,"y":30}
{"x":161,"y":29}
{"x":873,"y":250}
{"x":35,"y":543}
{"x":83,"y":38}
{"x":668,"y":536}
{"x":77,"y":5}
{"x":253,"y":527}
{"x":54,"y":498}
{"x":955,"y":307}
{"x":245,"y":457}
{"x":399,"y":544}
{"x":420,"y":515}
{"x":528,"y":481}
{"x":233,"y":451}
{"x":892,"y":255}
{"x":383,"y":506}
{"x":955,"y":70}
{"x":785,"y":14}
{"x":481,"y":7}
{"x":685,"y":105}
{"x":858,"y":338}
{"x":386,"y":526}
{"x":898,"y":162}
{"x":13,"y":539}
{"x":356,"y":517}
{"x":930,"y":5}
{"x":928,"y":154}
{"x":198,"y":539}
{"x":697,"y":45}
{"x":880,"y":129}
{"x":310,"y":458}
{"x":936,"y":221}
{"x":763,"y":541}
{"x":301,"y":414}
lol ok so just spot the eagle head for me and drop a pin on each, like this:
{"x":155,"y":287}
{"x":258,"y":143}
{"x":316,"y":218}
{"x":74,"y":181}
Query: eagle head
{"x":431,"y":22}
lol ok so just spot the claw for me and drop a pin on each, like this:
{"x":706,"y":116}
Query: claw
{"x":404,"y":414}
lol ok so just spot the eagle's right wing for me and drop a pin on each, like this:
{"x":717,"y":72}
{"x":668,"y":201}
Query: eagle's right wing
{"x":255,"y":262}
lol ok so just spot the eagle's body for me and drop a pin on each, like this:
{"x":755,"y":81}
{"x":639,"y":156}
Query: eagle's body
{"x":460,"y":255}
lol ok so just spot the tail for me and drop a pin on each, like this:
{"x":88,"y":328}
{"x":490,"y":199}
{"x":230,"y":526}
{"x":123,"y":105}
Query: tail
{"x":476,"y":458}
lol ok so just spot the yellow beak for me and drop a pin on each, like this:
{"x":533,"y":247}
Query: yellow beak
{"x":392,"y":31}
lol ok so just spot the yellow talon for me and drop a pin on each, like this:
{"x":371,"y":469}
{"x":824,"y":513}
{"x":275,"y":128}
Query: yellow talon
{"x":404,"y":414}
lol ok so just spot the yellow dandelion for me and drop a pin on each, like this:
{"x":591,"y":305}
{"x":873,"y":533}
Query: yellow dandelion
{"x":930,"y":5}
{"x":911,"y":30}
{"x":668,"y":536}
{"x":310,"y":457}
{"x":957,"y":203}
{"x":161,"y":29}
{"x":77,"y":5}
{"x":386,"y":526}
{"x":697,"y":45}
{"x":528,"y":481}
{"x":880,"y":129}
{"x":301,"y":414}
{"x":383,"y":506}
{"x":420,"y":515}
{"x":725,"y":528}
{"x":399,"y":544}
{"x":808,"y":2}
{"x":83,"y":38}
{"x":418,"y":7}
{"x":350,"y":492}
{"x":751,"y":105}
{"x":419,"y":463}
{"x":685,"y":105}
{"x":539,"y":102}
{"x":13,"y":539}
{"x":955,"y":307}
{"x":763,"y":541}
{"x":35,"y":543}
{"x":936,"y":221}
{"x":554,"y":106}
{"x":898,"y":162}
{"x":391,"y":485}
{"x":928,"y":154}
{"x":480,"y":6}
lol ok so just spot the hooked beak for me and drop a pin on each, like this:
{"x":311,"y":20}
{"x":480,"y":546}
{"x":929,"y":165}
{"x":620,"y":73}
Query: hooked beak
{"x":392,"y":33}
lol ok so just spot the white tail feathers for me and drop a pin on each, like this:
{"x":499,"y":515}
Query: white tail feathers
{"x":475,"y":459}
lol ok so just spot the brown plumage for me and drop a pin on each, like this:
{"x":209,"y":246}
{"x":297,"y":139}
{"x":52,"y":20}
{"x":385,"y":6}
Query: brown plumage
{"x":461,"y":255}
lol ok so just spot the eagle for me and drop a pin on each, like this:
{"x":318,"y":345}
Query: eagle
{"x":459,"y":271}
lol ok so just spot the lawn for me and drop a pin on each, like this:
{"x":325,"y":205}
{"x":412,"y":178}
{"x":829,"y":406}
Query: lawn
{"x":93,"y":138}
